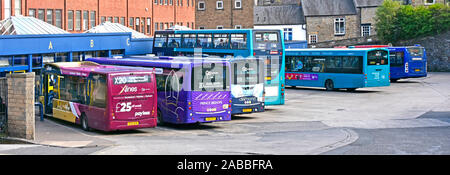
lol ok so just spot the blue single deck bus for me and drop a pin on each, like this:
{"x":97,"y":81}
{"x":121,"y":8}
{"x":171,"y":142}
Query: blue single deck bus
{"x":338,"y":68}
{"x":189,"y":90}
{"x":265,"y":44}
{"x":408,"y":62}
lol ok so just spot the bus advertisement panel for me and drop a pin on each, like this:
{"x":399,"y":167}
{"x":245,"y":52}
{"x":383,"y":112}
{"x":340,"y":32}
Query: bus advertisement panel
{"x":105,"y":98}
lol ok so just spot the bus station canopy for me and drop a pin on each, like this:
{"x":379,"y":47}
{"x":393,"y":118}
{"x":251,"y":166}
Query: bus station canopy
{"x":24,"y":25}
{"x":108,"y":27}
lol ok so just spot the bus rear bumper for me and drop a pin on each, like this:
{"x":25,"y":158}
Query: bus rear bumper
{"x":132,"y":124}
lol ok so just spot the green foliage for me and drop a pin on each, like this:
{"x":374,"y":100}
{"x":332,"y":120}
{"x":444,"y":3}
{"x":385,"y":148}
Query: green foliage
{"x":396,"y":22}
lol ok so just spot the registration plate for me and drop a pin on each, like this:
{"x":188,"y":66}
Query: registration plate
{"x":247,"y":110}
{"x":133,"y":123}
{"x":417,"y":70}
{"x":210,"y":119}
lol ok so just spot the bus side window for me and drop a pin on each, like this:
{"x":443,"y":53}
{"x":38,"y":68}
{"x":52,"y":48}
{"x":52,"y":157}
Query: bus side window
{"x":99,"y":90}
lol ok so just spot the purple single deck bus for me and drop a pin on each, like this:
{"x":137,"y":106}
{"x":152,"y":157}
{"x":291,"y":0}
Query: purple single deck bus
{"x":189,"y":90}
{"x":105,"y":98}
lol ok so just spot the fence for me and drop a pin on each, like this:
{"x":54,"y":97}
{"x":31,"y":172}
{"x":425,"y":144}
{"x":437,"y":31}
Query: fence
{"x":3,"y":105}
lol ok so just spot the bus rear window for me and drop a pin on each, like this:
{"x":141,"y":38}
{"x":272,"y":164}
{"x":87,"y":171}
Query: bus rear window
{"x":377,"y":57}
{"x":264,"y":37}
{"x":210,"y":77}
{"x":415,"y":51}
{"x":247,"y":72}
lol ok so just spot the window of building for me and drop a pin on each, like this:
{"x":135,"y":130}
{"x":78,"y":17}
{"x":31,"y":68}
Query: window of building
{"x":313,"y":38}
{"x":201,"y":5}
{"x":156,"y":26}
{"x":238,"y":26}
{"x":103,"y":19}
{"x":161,"y":26}
{"x":170,"y":2}
{"x":238,"y":4}
{"x":149,"y":22}
{"x":85,"y":20}
{"x":92,"y":19}
{"x":122,"y":20}
{"x":58,"y":18}
{"x":155,"y":1}
{"x":41,"y":14}
{"x":339,"y":26}
{"x":110,"y":19}
{"x":78,"y":20}
{"x":201,"y":27}
{"x":287,"y":34}
{"x":165,"y":2}
{"x":116,"y":19}
{"x":32,"y":12}
{"x":429,"y":2}
{"x":17,"y":7}
{"x":49,"y":16}
{"x":219,"y":5}
{"x":70,"y":20}
{"x":365,"y":30}
{"x":132,"y":22}
{"x":7,"y":9}
{"x":138,"y":24}
{"x":161,"y":2}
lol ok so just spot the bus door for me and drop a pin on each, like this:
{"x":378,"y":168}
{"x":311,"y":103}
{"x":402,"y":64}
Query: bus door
{"x":52,"y":91}
{"x":377,"y":69}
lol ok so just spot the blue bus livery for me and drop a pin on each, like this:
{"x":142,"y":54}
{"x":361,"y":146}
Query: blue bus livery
{"x":265,"y":44}
{"x":338,"y":68}
{"x":408,"y":62}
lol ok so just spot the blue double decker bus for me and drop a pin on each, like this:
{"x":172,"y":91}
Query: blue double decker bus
{"x":265,"y":44}
{"x":338,"y":68}
{"x":408,"y":62}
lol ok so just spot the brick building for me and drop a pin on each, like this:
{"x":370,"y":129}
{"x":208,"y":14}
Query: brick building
{"x":224,"y":14}
{"x":77,"y":16}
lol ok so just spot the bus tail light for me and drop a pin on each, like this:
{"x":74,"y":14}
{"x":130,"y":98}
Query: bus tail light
{"x":190,"y":107}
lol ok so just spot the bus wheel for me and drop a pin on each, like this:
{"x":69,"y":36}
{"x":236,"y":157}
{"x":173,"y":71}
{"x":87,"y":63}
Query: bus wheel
{"x":159,"y":120}
{"x":329,"y":85}
{"x":351,"y":89}
{"x":394,"y":80}
{"x":84,"y":122}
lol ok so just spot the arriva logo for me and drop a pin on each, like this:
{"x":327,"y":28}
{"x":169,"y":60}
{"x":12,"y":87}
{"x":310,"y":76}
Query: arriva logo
{"x":127,"y":89}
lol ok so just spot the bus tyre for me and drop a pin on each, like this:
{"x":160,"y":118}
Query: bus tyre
{"x":159,"y":119}
{"x":351,"y":89}
{"x":84,"y":123}
{"x":329,"y":85}
{"x":394,"y":80}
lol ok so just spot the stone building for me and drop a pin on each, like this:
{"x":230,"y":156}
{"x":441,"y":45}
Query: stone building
{"x":284,"y":15}
{"x":366,"y":10}
{"x":328,"y":20}
{"x":224,"y":14}
{"x":423,"y":2}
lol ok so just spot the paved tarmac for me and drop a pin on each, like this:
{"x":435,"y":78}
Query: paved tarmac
{"x":409,"y":117}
